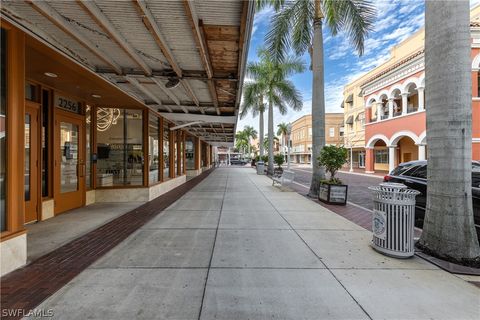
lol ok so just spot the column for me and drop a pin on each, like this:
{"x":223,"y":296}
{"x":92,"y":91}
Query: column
{"x":391,"y":158}
{"x":208,"y":156}
{"x":178,"y":141}
{"x":197,"y":154}
{"x":368,"y":114}
{"x":369,"y":160}
{"x":421,"y":152}
{"x":390,"y":108}
{"x":404,"y":103}
{"x":379,"y":110}
{"x":421,"y":98}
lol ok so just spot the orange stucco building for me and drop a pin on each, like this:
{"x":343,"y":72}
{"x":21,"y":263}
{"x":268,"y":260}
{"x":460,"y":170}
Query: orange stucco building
{"x":393,"y":98}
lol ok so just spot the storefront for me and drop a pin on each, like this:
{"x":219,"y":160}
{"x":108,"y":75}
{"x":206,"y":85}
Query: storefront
{"x":111,"y":101}
{"x":80,"y":145}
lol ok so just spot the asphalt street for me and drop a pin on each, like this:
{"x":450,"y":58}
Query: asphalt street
{"x":358,"y":192}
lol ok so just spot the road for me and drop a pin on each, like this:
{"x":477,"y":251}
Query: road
{"x":358,"y":192}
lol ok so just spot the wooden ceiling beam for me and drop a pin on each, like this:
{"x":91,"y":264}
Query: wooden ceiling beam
{"x":99,"y":17}
{"x":53,"y":16}
{"x":168,"y":92}
{"x":191,"y":94}
{"x":201,"y":41}
{"x":193,"y":21}
{"x":211,"y":84}
{"x":153,"y":28}
{"x":170,"y":74}
{"x":243,"y":26}
{"x":147,"y":92}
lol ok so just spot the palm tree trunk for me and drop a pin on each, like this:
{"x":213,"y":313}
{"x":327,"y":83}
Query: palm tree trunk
{"x":318,"y":106}
{"x":270,"y":138}
{"x":261,"y":134}
{"x":448,"y":228}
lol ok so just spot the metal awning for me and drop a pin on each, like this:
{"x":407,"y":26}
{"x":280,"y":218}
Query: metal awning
{"x":349,"y":98}
{"x":349,"y":120}
{"x":179,"y":57}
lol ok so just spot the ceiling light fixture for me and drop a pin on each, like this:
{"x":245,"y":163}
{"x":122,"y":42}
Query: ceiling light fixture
{"x":50,"y":74}
{"x":96,"y":96}
{"x":172,"y":83}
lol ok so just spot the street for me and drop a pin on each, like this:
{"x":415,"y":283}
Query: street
{"x":358,"y":192}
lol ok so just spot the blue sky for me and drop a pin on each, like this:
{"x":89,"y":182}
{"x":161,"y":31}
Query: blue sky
{"x":396,"y":21}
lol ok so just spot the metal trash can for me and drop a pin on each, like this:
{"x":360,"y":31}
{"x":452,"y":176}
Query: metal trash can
{"x":260,"y":167}
{"x":393,"y":219}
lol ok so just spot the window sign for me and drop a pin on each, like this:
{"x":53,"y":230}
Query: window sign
{"x":67,"y":104}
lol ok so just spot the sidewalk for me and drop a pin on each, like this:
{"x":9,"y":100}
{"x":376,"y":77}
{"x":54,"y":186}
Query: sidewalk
{"x":235,"y":247}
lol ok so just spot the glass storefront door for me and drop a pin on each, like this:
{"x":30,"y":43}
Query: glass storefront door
{"x":69,"y":163}
{"x":31,"y":162}
{"x":361,"y":159}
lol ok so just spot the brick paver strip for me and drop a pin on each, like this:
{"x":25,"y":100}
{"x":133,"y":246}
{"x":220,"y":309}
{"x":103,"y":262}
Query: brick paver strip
{"x":27,"y":287}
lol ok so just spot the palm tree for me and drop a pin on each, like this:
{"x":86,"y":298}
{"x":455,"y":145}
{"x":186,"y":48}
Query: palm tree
{"x":276,"y":88}
{"x":241,"y":141}
{"x":266,"y":143}
{"x":251,"y":134}
{"x":297,"y":25}
{"x":448,"y":229}
{"x":253,"y":102}
{"x":283,"y":131}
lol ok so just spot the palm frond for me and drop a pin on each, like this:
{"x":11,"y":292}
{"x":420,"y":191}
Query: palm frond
{"x":278,"y":38}
{"x":276,"y":4}
{"x":291,"y":65}
{"x":355,"y":17}
{"x":302,"y":26}
{"x":289,"y":94}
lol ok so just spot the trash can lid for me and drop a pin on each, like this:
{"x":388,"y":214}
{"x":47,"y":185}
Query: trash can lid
{"x":393,"y":185}
{"x":260,"y":162}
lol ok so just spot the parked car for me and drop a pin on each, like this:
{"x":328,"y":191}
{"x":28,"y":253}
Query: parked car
{"x":413,"y":174}
{"x":238,"y":162}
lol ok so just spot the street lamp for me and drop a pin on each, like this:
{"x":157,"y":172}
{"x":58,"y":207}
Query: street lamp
{"x":289,"y":131}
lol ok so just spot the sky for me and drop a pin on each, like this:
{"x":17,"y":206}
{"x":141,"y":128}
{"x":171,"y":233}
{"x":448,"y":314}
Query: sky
{"x":396,"y":20}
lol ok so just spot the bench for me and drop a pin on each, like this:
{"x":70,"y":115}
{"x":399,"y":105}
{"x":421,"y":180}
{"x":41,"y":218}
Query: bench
{"x":284,"y":178}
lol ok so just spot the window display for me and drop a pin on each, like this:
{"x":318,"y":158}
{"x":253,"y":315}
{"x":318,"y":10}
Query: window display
{"x":166,"y":151}
{"x":153,"y":148}
{"x":120,"y":156}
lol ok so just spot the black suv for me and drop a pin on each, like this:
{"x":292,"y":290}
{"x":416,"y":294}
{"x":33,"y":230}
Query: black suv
{"x":413,"y":174}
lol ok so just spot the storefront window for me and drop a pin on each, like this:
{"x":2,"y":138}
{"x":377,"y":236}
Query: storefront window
{"x":153,"y":148}
{"x":166,"y":152}
{"x":182,"y":155}
{"x":3,"y":131}
{"x":88,"y":147}
{"x":27,"y":156}
{"x":204,"y":155}
{"x":45,"y":143}
{"x":381,"y":156}
{"x":175,"y":146}
{"x":119,"y":147}
{"x":190,"y":153}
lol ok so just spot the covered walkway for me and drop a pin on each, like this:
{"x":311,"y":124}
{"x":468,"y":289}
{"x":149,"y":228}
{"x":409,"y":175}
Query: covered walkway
{"x":234,"y":247}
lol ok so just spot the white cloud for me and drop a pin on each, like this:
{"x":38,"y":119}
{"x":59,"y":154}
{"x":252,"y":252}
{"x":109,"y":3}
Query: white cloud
{"x":262,"y":18}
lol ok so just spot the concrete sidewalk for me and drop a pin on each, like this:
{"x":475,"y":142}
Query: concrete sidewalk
{"x":237,"y":248}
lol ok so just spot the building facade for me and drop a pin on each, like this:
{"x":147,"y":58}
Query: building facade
{"x":93,"y":112}
{"x":393,"y":98}
{"x":301,"y":136}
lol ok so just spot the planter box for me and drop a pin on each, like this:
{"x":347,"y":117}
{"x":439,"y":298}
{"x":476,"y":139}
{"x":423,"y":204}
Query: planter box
{"x":333,"y":193}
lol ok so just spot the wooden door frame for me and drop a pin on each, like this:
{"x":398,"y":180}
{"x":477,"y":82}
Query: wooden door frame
{"x":57,"y":114}
{"x":38,"y":141}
